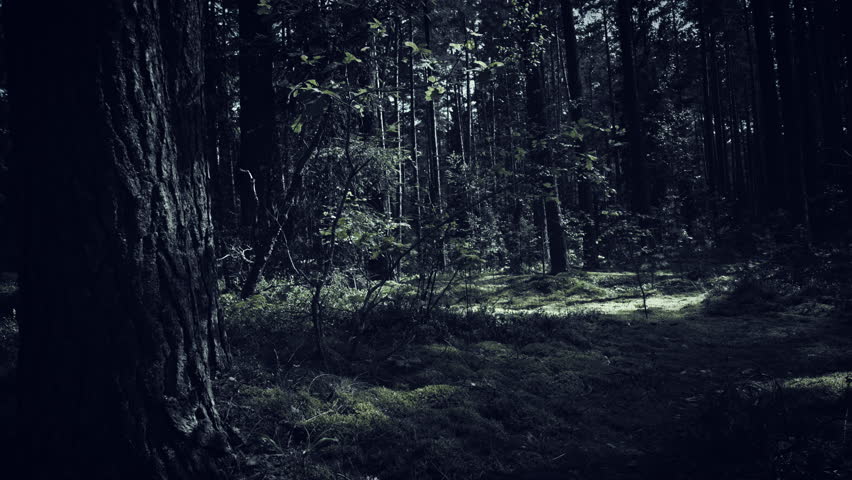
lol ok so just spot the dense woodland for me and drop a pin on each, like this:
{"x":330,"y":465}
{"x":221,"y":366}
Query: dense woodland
{"x":425,"y":239}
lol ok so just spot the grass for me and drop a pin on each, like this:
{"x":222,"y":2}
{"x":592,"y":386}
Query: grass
{"x":558,"y":376}
{"x":546,"y":377}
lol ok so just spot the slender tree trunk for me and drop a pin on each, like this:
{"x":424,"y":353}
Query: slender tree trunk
{"x":770,"y":124}
{"x":216,"y":123}
{"x":640,"y":193}
{"x":119,"y":320}
{"x":435,"y":191}
{"x":415,"y":160}
{"x":541,"y":156}
{"x":257,"y":112}
{"x":707,"y":109}
{"x":575,"y":96}
{"x":791,"y":98}
{"x":397,"y":102}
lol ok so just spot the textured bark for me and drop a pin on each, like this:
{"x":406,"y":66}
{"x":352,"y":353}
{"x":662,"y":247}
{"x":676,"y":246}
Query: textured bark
{"x":119,"y":320}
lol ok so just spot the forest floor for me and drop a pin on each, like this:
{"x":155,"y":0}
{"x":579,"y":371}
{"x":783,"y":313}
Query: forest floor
{"x":537,"y":377}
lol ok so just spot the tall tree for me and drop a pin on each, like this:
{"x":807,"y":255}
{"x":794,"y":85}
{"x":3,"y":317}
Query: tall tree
{"x":640,"y":191}
{"x":769,"y":125}
{"x":540,"y":154}
{"x":575,"y":98}
{"x":791,"y":98}
{"x":119,"y":321}
{"x":257,"y":110}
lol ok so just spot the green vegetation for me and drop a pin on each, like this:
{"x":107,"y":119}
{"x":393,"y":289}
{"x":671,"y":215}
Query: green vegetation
{"x":548,"y":374}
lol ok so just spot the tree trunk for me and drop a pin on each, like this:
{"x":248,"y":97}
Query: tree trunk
{"x":217,"y":145}
{"x":415,"y":161}
{"x":575,"y":93}
{"x":796,"y":198}
{"x":257,"y":111}
{"x":119,"y":320}
{"x":770,"y":124}
{"x":640,"y":193}
{"x":436,"y":195}
{"x":540,"y":155}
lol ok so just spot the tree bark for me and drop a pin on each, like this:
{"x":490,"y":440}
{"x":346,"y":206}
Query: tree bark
{"x":119,"y":319}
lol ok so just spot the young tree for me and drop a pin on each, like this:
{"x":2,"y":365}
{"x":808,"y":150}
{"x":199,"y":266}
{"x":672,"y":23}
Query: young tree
{"x":119,"y":318}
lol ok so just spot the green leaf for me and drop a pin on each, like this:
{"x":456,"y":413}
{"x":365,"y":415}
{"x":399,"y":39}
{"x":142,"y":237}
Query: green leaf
{"x":263,"y":7}
{"x":412,"y":46}
{"x":297,"y":125}
{"x":351,"y":58}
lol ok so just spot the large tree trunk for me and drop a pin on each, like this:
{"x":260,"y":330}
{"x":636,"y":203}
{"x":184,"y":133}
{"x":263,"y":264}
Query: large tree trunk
{"x":119,"y":319}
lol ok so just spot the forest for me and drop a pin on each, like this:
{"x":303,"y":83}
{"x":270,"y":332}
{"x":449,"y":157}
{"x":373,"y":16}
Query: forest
{"x":425,"y":239}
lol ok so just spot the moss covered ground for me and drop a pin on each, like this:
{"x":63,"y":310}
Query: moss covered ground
{"x":552,"y":377}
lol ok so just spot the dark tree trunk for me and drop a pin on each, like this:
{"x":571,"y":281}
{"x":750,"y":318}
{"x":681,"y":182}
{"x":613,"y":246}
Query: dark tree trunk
{"x":436,"y":194}
{"x":540,"y":155}
{"x":416,"y":198}
{"x":119,"y":318}
{"x":791,"y":98}
{"x":707,"y":106}
{"x":770,"y":123}
{"x":575,"y":95}
{"x":257,"y":111}
{"x":640,"y":192}
{"x":218,"y":143}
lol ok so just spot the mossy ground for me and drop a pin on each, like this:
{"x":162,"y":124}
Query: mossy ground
{"x":535,"y":377}
{"x":559,"y":377}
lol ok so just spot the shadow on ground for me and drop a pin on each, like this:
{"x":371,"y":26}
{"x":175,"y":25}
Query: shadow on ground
{"x":744,"y":384}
